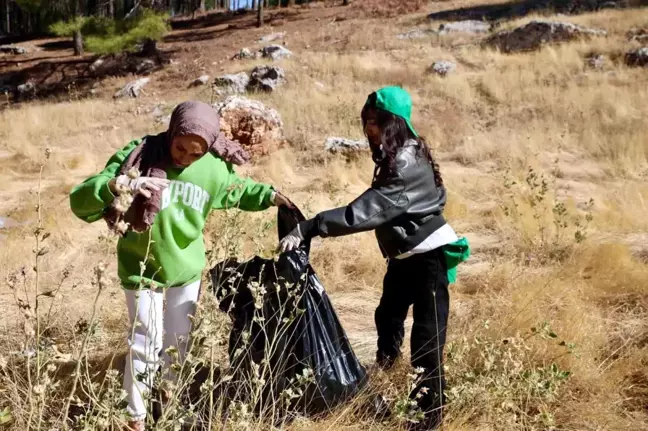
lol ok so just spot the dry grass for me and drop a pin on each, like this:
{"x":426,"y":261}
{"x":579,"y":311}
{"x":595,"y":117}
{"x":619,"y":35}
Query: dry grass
{"x":497,"y":116}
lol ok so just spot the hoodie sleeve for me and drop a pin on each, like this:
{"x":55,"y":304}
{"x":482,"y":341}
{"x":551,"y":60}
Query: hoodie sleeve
{"x":89,"y":199}
{"x":243,"y":193}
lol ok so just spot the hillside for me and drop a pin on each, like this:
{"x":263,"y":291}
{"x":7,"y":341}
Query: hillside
{"x":545,"y":157}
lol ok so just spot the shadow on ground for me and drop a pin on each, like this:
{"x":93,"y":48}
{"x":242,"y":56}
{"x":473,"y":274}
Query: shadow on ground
{"x":73,"y":76}
{"x":518,"y":9}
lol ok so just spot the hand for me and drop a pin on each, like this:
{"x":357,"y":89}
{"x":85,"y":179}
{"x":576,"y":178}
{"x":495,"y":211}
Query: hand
{"x":279,"y":200}
{"x":142,"y":185}
{"x":292,"y":241}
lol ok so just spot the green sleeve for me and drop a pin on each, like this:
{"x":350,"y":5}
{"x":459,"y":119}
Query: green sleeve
{"x":243,"y":193}
{"x":89,"y":199}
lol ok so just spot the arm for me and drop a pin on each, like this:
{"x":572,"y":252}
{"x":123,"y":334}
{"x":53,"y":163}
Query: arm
{"x":244,"y":193}
{"x":89,"y":199}
{"x":383,"y":202}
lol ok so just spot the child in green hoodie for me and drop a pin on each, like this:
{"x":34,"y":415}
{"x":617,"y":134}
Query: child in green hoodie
{"x":157,"y":193}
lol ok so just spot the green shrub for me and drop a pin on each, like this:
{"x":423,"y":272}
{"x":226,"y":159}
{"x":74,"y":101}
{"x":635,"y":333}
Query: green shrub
{"x":109,"y":36}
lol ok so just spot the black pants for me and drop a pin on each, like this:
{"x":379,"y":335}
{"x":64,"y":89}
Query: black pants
{"x":420,"y":280}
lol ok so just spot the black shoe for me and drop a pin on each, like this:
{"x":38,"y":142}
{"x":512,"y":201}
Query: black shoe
{"x":386,"y":362}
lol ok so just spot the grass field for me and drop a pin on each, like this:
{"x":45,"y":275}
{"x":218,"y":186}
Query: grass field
{"x":546,"y":164}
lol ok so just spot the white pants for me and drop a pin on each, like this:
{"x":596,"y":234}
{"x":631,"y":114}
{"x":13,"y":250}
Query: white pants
{"x":154,"y":328}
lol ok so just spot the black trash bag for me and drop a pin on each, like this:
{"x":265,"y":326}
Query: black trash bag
{"x":281,"y":312}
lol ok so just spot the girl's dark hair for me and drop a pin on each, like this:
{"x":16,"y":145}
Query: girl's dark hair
{"x":394,"y":134}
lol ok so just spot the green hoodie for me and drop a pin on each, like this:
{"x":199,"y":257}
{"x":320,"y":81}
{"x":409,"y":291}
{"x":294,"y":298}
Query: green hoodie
{"x":177,"y":249}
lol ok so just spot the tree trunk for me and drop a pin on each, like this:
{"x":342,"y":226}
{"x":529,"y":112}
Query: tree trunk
{"x":78,"y":43}
{"x":149,"y":48}
{"x":202,"y":6}
{"x":8,"y":17}
{"x":111,"y":9}
{"x":291,"y":2}
{"x":254,"y":5}
{"x":260,"y":14}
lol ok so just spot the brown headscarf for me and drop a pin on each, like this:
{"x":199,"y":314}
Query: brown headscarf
{"x":152,"y":157}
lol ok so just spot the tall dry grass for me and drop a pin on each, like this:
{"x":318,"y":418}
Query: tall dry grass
{"x":537,"y":298}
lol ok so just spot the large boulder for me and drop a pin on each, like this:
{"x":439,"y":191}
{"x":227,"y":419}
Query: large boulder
{"x":232,"y":84}
{"x":276,"y":52}
{"x":258,"y":128}
{"x":345,"y":146}
{"x":468,"y":26}
{"x":266,"y":78}
{"x":637,"y":57}
{"x":538,"y":33}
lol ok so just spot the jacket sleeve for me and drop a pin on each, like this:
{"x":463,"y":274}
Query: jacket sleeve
{"x":243,"y":193}
{"x":89,"y":199}
{"x":383,"y":202}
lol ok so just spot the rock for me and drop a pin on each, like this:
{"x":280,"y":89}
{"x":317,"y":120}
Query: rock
{"x":416,"y":33}
{"x":637,"y":57}
{"x":320,"y":85}
{"x":233,"y":83}
{"x":143,"y":65}
{"x":200,"y":81}
{"x":132,"y":89}
{"x":468,"y":26}
{"x":442,"y":67}
{"x":595,"y":61}
{"x":638,"y":34}
{"x":258,"y":128}
{"x":6,"y":223}
{"x":266,"y":78}
{"x":27,"y":87}
{"x":157,"y":111}
{"x":537,"y":33}
{"x":276,"y":52}
{"x":246,"y":54}
{"x":272,"y":37}
{"x":343,"y":145}
{"x":13,"y":50}
{"x":97,"y":65}
{"x":165,"y":119}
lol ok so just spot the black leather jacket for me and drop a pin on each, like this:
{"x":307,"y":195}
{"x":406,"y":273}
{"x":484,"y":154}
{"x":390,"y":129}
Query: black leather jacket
{"x":404,"y":208}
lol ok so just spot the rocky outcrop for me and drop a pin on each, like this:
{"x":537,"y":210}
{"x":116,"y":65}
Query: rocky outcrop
{"x":232,"y":84}
{"x":276,"y":52}
{"x":266,"y":78}
{"x":538,"y":33}
{"x":344,"y":146}
{"x":467,"y":26}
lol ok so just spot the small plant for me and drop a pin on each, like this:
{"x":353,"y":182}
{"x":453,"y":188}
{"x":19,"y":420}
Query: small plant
{"x":542,"y":224}
{"x":498,"y":378}
{"x":406,"y":408}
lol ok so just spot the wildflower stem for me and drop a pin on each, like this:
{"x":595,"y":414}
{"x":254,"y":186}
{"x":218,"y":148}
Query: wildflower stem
{"x":84,"y":346}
